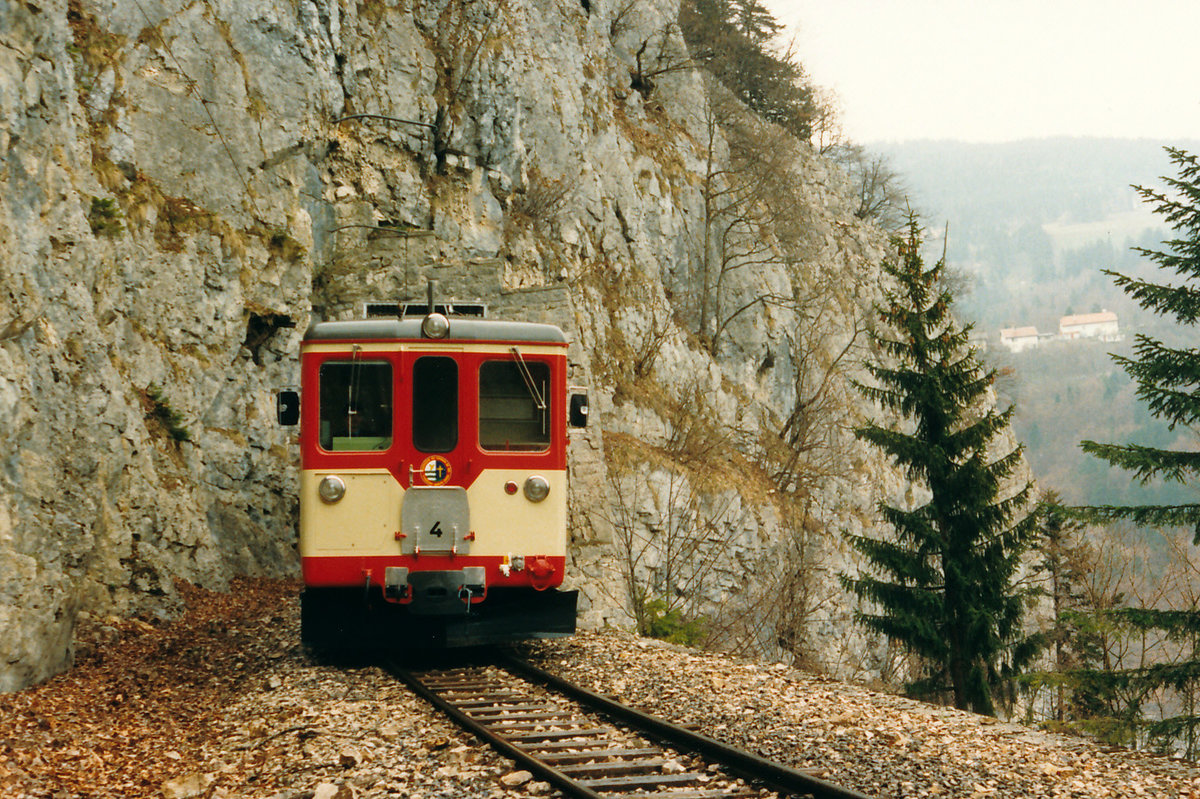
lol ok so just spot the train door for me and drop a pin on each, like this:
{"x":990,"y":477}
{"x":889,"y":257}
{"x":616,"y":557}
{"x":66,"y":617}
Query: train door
{"x":431,"y":427}
{"x":435,"y":517}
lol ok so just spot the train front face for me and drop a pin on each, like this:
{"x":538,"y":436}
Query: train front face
{"x":433,"y":496}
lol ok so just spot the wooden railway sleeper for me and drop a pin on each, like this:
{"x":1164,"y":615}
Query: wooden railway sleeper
{"x":612,"y":768}
{"x":548,"y":746}
{"x":564,"y":758}
{"x":528,"y":707}
{"x":504,"y":718}
{"x":480,"y":701}
{"x":554,"y":735}
{"x":530,"y":722}
{"x":644,"y":781}
{"x":711,"y":793}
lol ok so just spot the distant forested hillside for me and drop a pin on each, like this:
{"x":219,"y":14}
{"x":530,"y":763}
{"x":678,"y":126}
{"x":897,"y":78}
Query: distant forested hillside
{"x":1032,"y":225}
{"x":1069,"y":391}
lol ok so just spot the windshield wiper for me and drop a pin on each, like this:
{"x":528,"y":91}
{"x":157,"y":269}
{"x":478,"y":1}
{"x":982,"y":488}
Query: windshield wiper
{"x":538,"y":399}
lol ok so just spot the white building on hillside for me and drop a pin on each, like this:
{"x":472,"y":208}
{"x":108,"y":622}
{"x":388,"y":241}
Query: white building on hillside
{"x":1101,"y":325}
{"x":1019,"y":339}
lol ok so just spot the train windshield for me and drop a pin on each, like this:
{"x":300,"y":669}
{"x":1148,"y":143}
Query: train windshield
{"x":513,"y":412}
{"x":356,"y":406}
{"x":435,"y":404}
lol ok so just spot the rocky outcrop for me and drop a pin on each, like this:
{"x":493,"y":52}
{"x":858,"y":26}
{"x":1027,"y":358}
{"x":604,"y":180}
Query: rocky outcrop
{"x":186,"y":183}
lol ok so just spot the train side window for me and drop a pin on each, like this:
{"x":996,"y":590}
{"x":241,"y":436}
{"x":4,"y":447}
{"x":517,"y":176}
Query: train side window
{"x":435,"y":404}
{"x":514,"y":406}
{"x":356,"y":406}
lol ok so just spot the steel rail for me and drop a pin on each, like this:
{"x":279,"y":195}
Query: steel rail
{"x":548,"y":773}
{"x":746,"y":764}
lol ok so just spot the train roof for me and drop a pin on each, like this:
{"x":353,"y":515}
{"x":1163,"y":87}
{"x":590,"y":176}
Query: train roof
{"x":409,"y":329}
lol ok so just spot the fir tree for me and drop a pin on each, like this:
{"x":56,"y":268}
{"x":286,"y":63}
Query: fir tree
{"x":946,"y":585}
{"x":1065,"y":559}
{"x":1168,"y":380}
{"x":755,"y":21}
{"x":733,"y":40}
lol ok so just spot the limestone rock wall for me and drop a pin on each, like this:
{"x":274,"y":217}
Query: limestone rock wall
{"x":187,"y":183}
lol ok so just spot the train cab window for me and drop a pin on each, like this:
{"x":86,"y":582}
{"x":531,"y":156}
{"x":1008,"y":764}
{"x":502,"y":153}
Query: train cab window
{"x":356,"y":406}
{"x":514,"y":406}
{"x":435,"y":404}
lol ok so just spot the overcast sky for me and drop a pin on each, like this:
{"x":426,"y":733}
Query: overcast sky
{"x":999,"y":71}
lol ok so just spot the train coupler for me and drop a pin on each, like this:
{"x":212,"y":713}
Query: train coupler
{"x":446,"y":593}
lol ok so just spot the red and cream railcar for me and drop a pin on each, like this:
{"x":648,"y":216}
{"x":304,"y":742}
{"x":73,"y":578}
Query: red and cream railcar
{"x":433,"y":483}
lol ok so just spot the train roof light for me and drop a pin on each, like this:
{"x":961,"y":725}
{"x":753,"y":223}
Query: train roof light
{"x":435,"y":325}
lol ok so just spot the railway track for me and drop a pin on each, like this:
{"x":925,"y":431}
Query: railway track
{"x":587,"y":745}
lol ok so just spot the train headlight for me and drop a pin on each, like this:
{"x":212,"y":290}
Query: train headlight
{"x":537,"y":488}
{"x":331,"y":488}
{"x":435,"y":326}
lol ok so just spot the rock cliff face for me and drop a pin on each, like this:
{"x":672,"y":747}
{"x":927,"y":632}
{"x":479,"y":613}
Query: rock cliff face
{"x":186,"y":183}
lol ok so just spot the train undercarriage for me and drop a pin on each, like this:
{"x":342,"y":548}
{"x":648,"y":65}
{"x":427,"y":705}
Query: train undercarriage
{"x":357,"y":618}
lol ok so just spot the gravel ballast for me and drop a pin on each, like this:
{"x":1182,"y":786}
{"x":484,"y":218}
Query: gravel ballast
{"x":223,"y":702}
